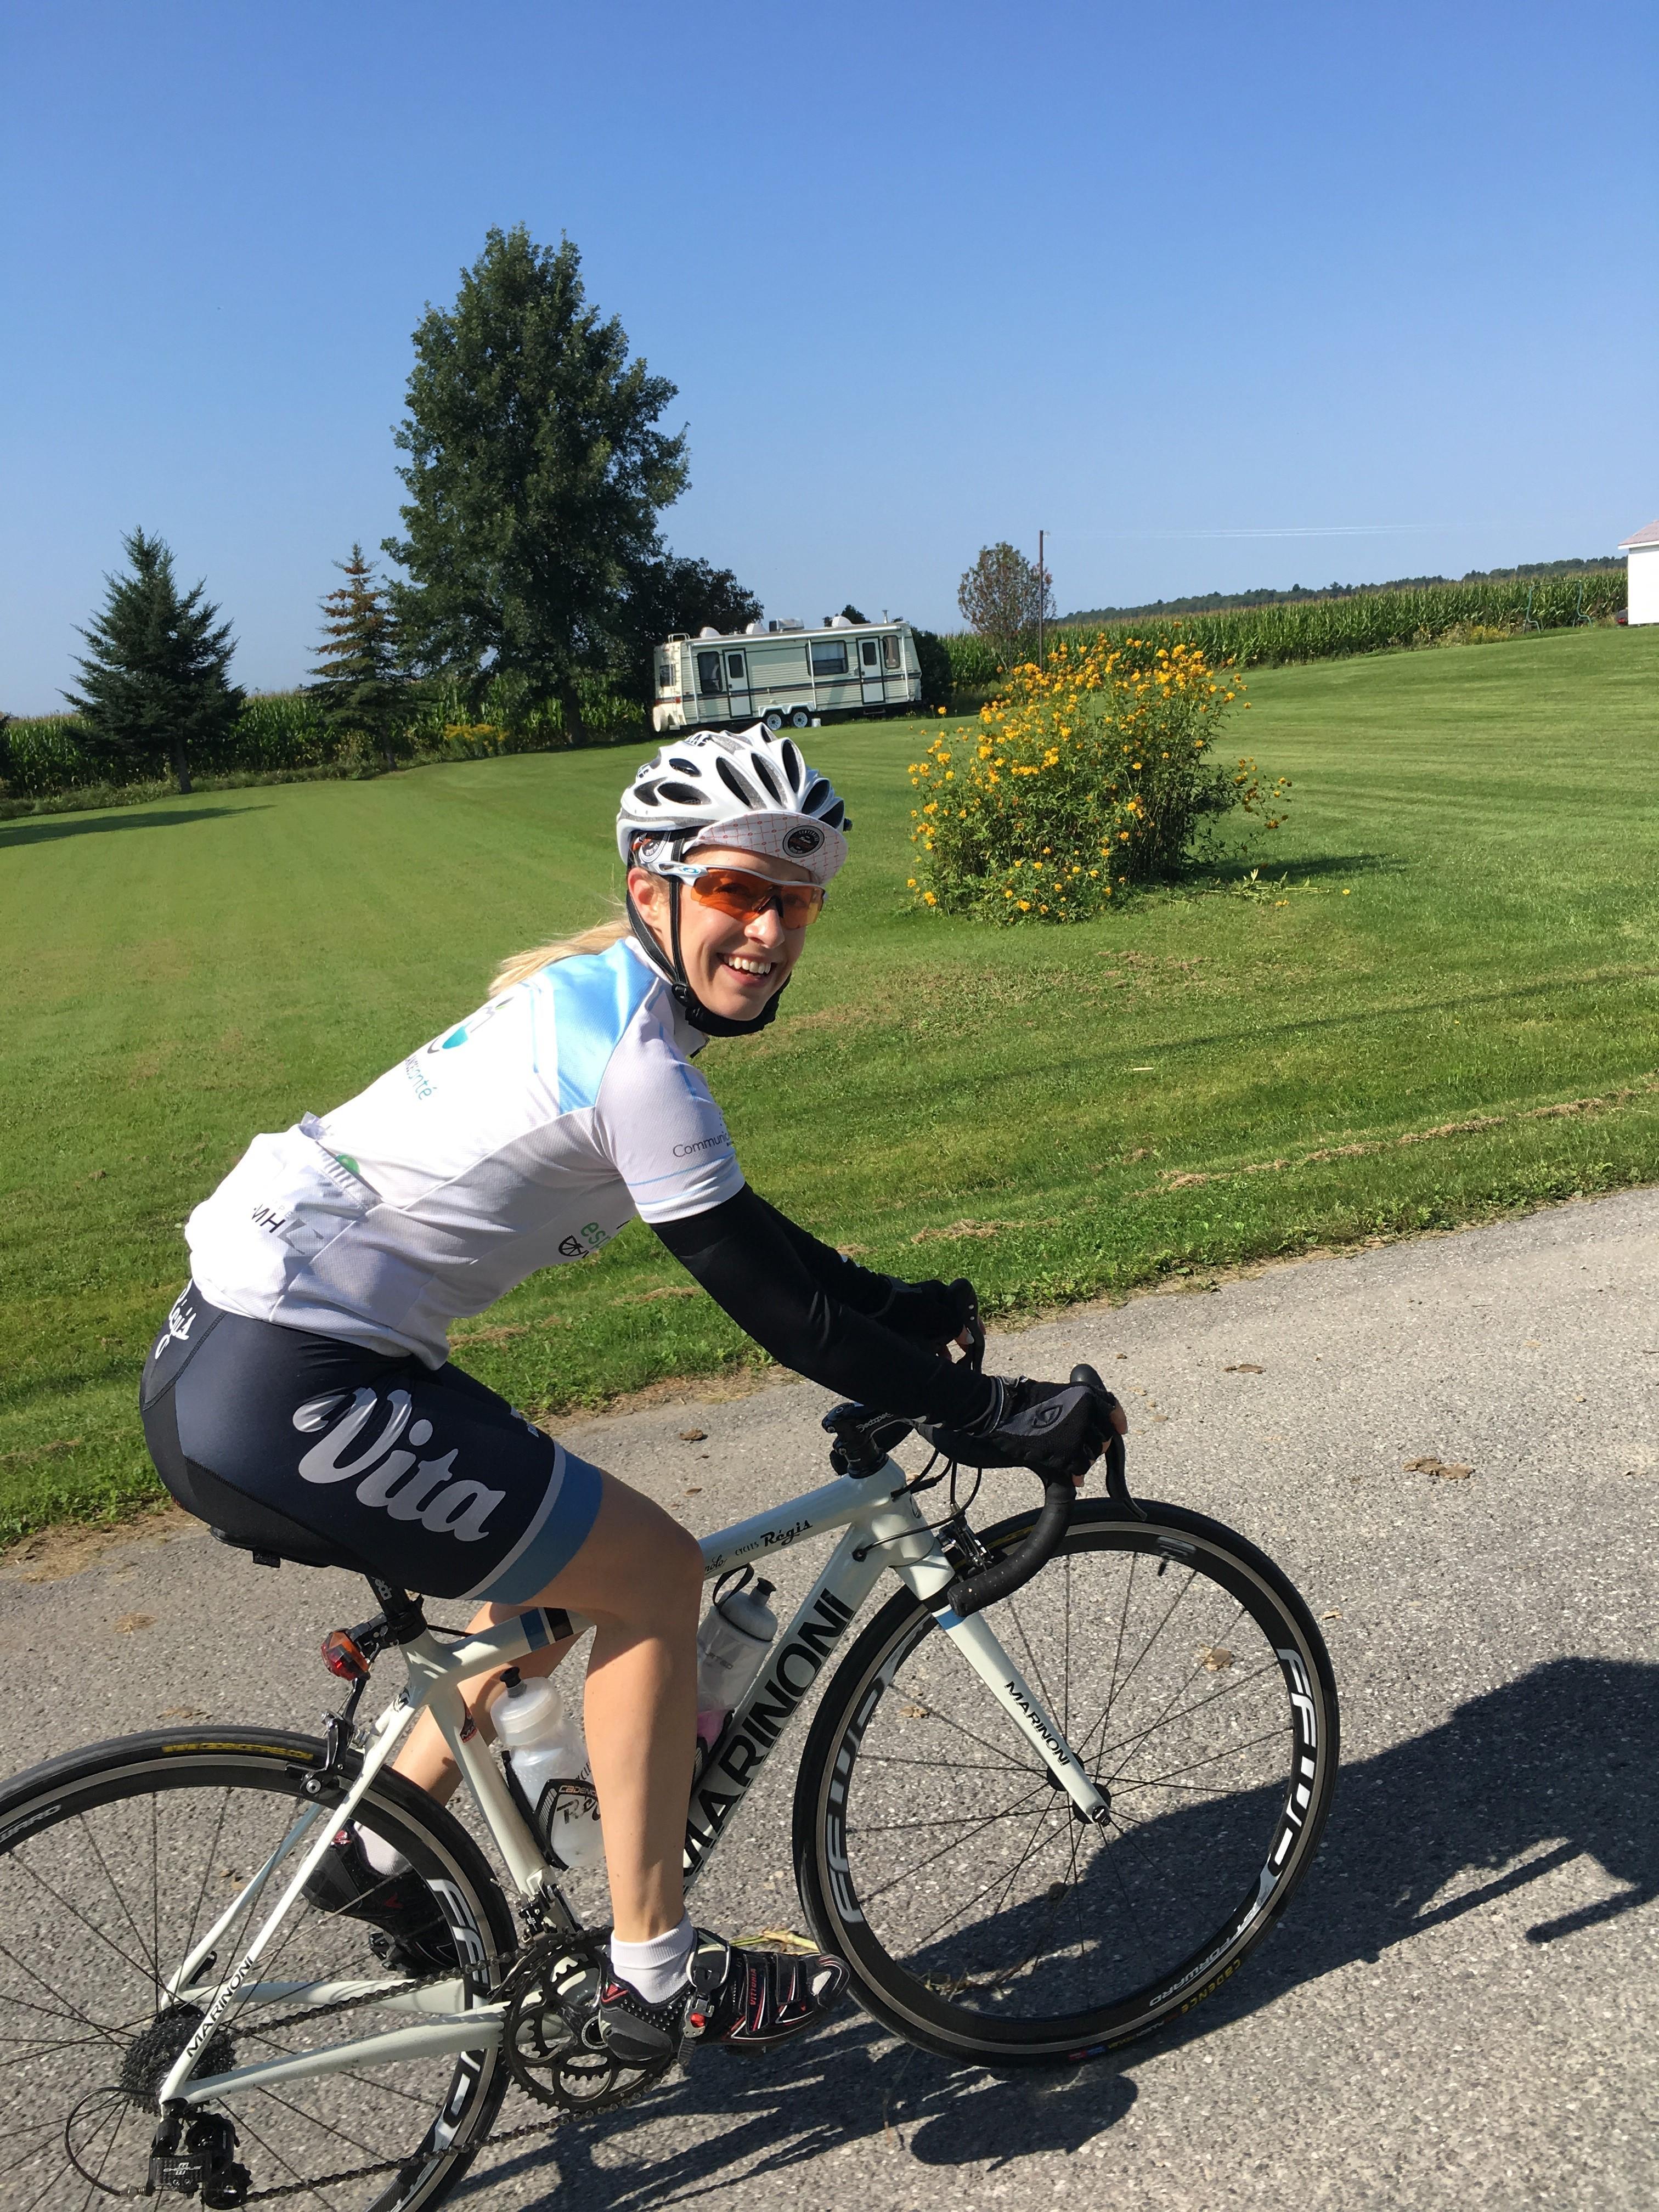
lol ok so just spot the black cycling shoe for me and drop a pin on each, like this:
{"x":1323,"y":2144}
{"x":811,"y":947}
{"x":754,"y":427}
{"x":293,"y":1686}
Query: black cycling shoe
{"x":747,"y":1998}
{"x":417,"y":1938}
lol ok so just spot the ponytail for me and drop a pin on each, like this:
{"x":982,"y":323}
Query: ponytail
{"x":523,"y":965}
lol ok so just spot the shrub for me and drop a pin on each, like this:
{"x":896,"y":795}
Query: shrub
{"x":1087,"y":777}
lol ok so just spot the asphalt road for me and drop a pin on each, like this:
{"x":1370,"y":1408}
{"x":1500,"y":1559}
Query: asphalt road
{"x":1455,"y":2010}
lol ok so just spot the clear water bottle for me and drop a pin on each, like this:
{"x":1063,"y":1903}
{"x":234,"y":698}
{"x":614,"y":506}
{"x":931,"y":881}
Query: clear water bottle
{"x":733,"y":1643}
{"x":545,"y":1746}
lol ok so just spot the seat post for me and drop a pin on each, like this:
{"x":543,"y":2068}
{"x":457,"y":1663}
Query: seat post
{"x":405,"y":1618}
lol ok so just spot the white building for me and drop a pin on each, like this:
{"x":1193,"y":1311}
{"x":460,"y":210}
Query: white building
{"x":782,"y":672}
{"x":1642,"y":553}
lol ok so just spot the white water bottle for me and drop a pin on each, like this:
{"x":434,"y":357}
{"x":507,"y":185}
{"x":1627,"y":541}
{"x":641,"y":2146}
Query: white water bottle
{"x":733,"y":1643}
{"x":545,"y":1748}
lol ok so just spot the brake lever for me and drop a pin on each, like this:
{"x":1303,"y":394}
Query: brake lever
{"x":973,"y":1354}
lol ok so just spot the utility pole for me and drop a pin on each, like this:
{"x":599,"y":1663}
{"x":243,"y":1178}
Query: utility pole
{"x":1042,"y":599}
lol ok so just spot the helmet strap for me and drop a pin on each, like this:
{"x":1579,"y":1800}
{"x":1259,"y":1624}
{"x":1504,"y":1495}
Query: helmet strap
{"x":673,"y":970}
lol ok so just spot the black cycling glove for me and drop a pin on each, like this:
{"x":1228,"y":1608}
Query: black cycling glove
{"x":1052,"y":1428}
{"x":934,"y":1313}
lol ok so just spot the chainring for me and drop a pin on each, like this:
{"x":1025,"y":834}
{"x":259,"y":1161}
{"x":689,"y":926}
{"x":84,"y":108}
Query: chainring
{"x":550,"y":2028}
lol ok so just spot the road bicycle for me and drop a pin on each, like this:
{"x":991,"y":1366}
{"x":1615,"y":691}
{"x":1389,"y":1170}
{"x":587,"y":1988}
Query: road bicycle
{"x":1064,"y":1779}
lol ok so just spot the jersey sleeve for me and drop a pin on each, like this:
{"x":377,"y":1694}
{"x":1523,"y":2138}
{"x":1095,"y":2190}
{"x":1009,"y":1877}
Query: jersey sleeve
{"x":658,"y":1126}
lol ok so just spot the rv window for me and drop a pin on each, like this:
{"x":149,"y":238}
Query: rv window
{"x":829,"y":658}
{"x":734,"y":668}
{"x":867,"y":652}
{"x":709,"y":672}
{"x":664,"y":676}
{"x":890,"y":652}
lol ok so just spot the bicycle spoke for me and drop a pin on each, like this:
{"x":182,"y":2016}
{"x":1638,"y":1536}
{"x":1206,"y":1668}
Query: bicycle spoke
{"x":965,"y":1836}
{"x":115,"y":1888}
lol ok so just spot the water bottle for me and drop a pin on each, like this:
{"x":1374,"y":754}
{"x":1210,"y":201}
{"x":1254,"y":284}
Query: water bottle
{"x":545,"y":1748}
{"x":732,"y":1647}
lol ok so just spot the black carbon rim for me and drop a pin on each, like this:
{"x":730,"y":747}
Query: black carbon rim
{"x":980,"y":1918}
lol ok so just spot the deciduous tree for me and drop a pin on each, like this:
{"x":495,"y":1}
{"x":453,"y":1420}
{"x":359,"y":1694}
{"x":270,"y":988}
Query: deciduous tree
{"x":154,"y":684}
{"x":1004,"y":596}
{"x":535,"y":477}
{"x":670,"y":594}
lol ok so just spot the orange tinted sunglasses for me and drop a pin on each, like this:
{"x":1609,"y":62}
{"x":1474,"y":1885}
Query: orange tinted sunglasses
{"x":744,"y":896}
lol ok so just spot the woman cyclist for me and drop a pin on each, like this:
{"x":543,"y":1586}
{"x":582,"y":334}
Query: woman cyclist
{"x":301,"y":1399}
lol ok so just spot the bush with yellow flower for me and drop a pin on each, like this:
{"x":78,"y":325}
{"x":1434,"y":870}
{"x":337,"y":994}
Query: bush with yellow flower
{"x":1087,"y":777}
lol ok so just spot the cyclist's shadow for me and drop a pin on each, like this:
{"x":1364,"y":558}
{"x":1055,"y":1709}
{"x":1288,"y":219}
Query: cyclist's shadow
{"x":1556,"y":1766}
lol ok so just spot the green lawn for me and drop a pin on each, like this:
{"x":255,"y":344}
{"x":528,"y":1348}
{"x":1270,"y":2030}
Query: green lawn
{"x":1469,"y":932}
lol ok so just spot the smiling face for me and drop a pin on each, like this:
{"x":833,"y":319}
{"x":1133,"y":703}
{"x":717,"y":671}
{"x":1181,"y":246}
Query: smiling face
{"x":733,"y":967}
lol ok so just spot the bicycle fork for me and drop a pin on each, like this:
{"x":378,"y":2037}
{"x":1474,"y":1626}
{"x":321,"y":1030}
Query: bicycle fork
{"x":912,"y":1551}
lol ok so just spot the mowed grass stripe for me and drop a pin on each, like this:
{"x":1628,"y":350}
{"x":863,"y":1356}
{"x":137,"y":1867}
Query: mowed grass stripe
{"x":185,"y":974}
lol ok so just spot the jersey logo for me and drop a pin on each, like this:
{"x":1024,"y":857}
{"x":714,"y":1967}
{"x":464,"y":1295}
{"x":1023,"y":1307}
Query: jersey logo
{"x":430,"y":1494}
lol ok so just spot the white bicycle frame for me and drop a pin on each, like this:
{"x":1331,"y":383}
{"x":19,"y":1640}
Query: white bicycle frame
{"x":884,"y":1529}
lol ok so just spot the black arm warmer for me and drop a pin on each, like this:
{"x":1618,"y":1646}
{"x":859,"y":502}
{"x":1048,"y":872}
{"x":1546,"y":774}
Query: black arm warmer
{"x":790,"y":1293}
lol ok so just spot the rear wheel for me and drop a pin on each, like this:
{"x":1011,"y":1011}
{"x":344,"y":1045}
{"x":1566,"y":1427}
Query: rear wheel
{"x":773,"y":718}
{"x":799,"y":719}
{"x":114,"y":1863}
{"x":982,"y":1917}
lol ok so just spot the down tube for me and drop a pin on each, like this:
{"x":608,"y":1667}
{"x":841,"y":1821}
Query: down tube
{"x":746,"y":1741}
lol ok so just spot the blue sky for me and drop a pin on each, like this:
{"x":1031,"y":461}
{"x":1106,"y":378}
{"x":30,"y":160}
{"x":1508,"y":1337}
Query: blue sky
{"x":1168,"y":282}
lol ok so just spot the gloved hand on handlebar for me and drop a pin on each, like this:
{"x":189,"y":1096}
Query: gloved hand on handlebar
{"x":1052,"y":1428}
{"x":938,"y":1315}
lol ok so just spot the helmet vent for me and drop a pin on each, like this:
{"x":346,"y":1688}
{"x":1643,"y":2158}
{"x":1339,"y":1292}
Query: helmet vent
{"x":685,"y":767}
{"x":734,"y":783}
{"x":645,"y":794}
{"x":832,"y":816}
{"x":681,"y":794}
{"x":792,"y":767}
{"x":763,"y":773}
{"x":819,"y":792}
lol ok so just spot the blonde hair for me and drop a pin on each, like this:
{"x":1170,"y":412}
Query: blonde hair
{"x":523,"y":965}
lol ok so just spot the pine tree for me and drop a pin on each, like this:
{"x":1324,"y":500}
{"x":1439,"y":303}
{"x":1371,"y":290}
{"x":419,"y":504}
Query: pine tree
{"x":535,"y":478}
{"x":358,"y":688}
{"x":153,"y":684}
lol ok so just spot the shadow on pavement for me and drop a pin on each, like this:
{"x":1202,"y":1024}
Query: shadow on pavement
{"x":1556,"y":1766}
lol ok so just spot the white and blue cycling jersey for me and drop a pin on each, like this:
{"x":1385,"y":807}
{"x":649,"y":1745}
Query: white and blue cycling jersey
{"x":524,"y":1137}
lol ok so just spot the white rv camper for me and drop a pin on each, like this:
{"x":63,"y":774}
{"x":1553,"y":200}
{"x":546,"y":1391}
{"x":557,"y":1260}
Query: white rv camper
{"x":782,"y":672}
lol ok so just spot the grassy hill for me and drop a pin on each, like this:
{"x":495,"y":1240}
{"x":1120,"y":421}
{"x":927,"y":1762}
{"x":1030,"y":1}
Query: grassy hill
{"x":1439,"y":997}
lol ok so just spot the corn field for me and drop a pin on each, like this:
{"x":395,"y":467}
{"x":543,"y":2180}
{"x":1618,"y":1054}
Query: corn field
{"x":42,"y":756}
{"x":1323,"y":630}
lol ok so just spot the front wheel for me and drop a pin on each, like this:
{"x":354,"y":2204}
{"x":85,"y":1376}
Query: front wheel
{"x":982,"y":1917}
{"x":120,"y":1862}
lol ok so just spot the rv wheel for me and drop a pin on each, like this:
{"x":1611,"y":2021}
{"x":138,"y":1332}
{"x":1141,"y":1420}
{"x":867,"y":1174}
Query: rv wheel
{"x":774,"y":718}
{"x":799,"y":719}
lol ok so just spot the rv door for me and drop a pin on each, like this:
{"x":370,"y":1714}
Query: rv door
{"x":736,"y":684}
{"x":875,"y":685}
{"x":711,"y":685}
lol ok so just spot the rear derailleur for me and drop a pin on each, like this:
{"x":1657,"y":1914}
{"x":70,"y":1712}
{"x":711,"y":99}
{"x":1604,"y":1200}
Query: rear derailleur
{"x":195,"y":2156}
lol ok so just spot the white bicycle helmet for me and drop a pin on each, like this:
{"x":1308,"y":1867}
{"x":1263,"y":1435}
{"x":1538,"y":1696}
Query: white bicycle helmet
{"x":750,"y":786}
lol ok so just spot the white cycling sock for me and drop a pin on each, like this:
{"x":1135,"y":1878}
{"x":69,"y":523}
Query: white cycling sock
{"x":657,"y":1968}
{"x":381,"y":1856}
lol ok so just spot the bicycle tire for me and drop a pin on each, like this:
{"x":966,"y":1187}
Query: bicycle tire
{"x":102,"y":1928}
{"x":1158,"y":1908}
